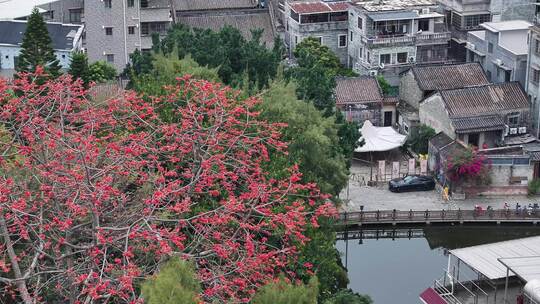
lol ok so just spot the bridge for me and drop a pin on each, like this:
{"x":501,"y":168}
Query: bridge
{"x":426,"y":217}
{"x":380,"y":233}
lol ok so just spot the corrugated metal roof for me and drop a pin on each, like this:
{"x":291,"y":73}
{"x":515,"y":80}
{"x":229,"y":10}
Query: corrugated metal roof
{"x":478,"y":123}
{"x":245,"y":21}
{"x":487,"y":99}
{"x":357,"y":90}
{"x":452,"y":76}
{"x":195,"y":5}
{"x":318,"y":7}
{"x":527,"y":268}
{"x":484,"y":258}
{"x":440,"y":140}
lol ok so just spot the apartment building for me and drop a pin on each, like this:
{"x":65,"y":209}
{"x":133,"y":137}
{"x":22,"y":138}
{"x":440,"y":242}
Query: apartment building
{"x":463,"y":16}
{"x":501,"y":48}
{"x":532,"y":84}
{"x":326,"y":21}
{"x":387,"y":37}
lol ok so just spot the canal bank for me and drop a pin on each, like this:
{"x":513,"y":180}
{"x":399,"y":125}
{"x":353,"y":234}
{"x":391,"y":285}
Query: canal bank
{"x":392,"y":268}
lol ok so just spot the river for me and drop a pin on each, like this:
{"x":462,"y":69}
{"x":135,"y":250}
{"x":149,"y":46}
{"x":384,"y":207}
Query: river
{"x":397,"y":271}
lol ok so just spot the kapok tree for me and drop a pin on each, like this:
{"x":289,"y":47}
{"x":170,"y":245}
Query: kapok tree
{"x":95,"y":196}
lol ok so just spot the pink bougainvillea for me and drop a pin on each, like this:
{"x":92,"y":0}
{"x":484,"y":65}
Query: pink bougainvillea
{"x":93,"y":196}
{"x":467,"y":165}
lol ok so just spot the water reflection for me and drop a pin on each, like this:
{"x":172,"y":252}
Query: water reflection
{"x":392,"y":269}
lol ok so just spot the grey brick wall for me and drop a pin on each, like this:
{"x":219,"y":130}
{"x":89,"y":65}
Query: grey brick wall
{"x":433,"y":114}
{"x":409,"y":91}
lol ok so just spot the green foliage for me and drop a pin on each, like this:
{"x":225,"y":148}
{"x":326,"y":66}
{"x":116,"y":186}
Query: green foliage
{"x":315,"y":84}
{"x":36,"y":47}
{"x":282,"y":292}
{"x":419,"y":138}
{"x":534,"y":187}
{"x":164,"y":71}
{"x":228,"y":51}
{"x":176,"y":283}
{"x":141,"y":63}
{"x":79,"y":67}
{"x":313,"y":139}
{"x":347,"y":296}
{"x":310,"y":52}
{"x":349,"y":135}
{"x":101,"y":71}
{"x":385,"y":86}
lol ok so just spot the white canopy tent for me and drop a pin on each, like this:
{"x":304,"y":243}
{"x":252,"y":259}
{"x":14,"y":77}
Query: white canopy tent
{"x":377,"y":139}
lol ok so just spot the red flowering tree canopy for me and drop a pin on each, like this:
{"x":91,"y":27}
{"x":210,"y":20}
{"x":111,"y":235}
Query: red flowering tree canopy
{"x":468,"y":165}
{"x":94,"y":196}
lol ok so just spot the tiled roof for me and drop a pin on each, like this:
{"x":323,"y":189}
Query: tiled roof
{"x":318,"y":7}
{"x":196,"y":5}
{"x":453,"y":76}
{"x":62,"y":35}
{"x":440,"y":140}
{"x":245,"y":21}
{"x":478,"y":123}
{"x":390,"y":100}
{"x":486,"y":99}
{"x":357,"y":90}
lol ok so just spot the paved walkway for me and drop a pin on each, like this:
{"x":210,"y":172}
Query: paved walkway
{"x":379,"y":198}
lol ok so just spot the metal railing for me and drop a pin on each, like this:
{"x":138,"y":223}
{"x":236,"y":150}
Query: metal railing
{"x":425,"y":216}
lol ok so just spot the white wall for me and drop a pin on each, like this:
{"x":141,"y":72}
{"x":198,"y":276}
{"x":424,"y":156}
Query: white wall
{"x":63,"y":56}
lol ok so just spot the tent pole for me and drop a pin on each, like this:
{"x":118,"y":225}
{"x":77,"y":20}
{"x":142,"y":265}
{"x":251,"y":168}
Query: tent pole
{"x":506,"y":286}
{"x":371,"y":166}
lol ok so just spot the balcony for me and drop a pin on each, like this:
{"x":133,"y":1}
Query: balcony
{"x":323,"y":26}
{"x":408,"y":40}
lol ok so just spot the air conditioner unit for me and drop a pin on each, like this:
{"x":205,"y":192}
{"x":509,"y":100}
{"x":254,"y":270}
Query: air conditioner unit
{"x":471,"y":46}
{"x":411,"y":59}
{"x":373,"y":73}
{"x":425,"y":11}
{"x":506,"y":130}
{"x":498,"y":62}
{"x":522,"y":130}
{"x":513,"y":131}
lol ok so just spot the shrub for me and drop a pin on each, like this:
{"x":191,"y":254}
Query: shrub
{"x":534,"y":187}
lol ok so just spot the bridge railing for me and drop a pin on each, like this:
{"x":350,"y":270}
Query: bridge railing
{"x":390,"y":216}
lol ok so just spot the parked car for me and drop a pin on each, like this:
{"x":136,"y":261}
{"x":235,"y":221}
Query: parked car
{"x":412,"y":183}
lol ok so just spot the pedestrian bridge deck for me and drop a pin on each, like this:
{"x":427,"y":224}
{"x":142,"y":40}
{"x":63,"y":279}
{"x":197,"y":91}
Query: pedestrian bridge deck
{"x":424,"y":217}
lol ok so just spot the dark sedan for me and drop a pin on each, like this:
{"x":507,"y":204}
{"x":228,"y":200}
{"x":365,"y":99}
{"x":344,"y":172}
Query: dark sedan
{"x":412,"y":183}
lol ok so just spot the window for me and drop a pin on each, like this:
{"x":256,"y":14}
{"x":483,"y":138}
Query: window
{"x":295,"y":16}
{"x":423,"y":25}
{"x":474,"y":21}
{"x":490,"y":47}
{"x":385,"y":58}
{"x":295,"y":39}
{"x":131,"y":30}
{"x":498,"y":72}
{"x":110,"y":58}
{"x":342,"y":41}
{"x":402,"y":57}
{"x":368,"y":57}
{"x":351,"y":35}
{"x":75,"y":15}
{"x":130,"y":3}
{"x":537,"y":46}
{"x":360,"y":22}
{"x":513,"y":119}
{"x":535,"y":75}
{"x":108,"y":31}
{"x":107,"y":3}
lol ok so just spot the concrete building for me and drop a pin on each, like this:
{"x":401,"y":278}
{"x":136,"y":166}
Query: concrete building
{"x":463,"y":16}
{"x":501,"y":48}
{"x":326,"y":21}
{"x":387,"y":37}
{"x":116,"y":28}
{"x":484,"y":116}
{"x":532,"y":84}
{"x":66,"y":38}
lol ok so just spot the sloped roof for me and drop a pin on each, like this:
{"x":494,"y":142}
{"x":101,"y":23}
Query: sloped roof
{"x":486,"y":99}
{"x":312,"y":7}
{"x":440,"y":140}
{"x":196,"y":5}
{"x":62,"y":35}
{"x":357,"y":90}
{"x":243,"y":20}
{"x":478,"y":123}
{"x":452,"y":76}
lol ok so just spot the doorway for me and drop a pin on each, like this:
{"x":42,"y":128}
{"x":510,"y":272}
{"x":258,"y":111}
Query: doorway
{"x":388,"y":118}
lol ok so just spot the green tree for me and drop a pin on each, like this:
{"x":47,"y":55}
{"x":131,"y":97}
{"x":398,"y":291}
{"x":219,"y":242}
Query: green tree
{"x":385,"y":86}
{"x":79,"y":67}
{"x":101,"y":71}
{"x":311,"y":52}
{"x":313,"y":139}
{"x":176,"y":283}
{"x":419,"y":138}
{"x":282,"y":292}
{"x":347,"y":296}
{"x":36,"y":47}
